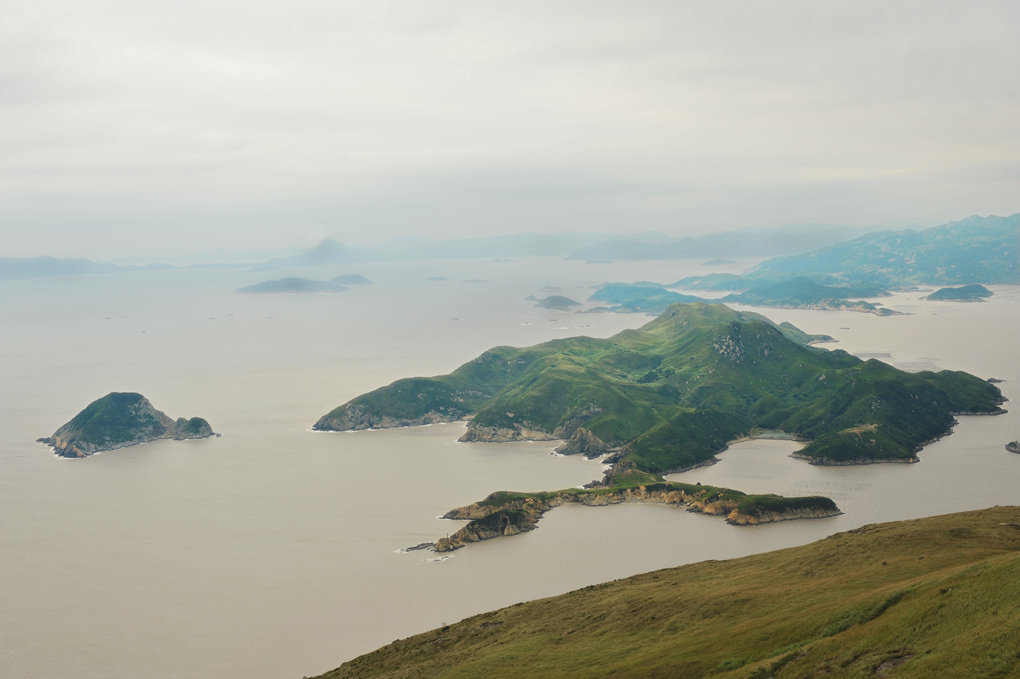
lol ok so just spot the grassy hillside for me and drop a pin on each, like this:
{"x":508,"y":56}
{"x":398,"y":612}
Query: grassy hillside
{"x":927,"y":599}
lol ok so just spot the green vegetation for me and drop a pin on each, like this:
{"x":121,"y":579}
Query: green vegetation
{"x":927,"y":598}
{"x":671,"y":394}
{"x":112,"y":419}
{"x":966,"y":293}
{"x":117,"y":420}
{"x":509,"y":513}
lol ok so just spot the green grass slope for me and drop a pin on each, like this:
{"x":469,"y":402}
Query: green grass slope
{"x":926,"y":599}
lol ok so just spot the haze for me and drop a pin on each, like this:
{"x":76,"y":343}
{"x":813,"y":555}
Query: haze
{"x":131,"y":127}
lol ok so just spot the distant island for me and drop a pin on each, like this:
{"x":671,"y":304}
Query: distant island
{"x":670,"y":395}
{"x":928,"y":597}
{"x":557,"y":303}
{"x":718,"y":261}
{"x":798,"y":293}
{"x":299,"y":285}
{"x":804,"y":293}
{"x":966,"y":293}
{"x":118,"y":420}
{"x":1013,"y":446}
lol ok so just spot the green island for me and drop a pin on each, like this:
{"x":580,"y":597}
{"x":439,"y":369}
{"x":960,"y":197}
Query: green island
{"x":670,"y":395}
{"x":967,"y":293}
{"x":925,"y":598}
{"x":508,"y":513}
{"x":118,"y":420}
{"x":797,"y":293}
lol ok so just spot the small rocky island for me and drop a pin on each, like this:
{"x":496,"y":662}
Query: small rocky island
{"x":1013,"y":446}
{"x":118,"y":420}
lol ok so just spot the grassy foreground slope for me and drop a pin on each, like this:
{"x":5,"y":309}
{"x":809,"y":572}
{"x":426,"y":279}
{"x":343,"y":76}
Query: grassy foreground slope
{"x":929,"y":598}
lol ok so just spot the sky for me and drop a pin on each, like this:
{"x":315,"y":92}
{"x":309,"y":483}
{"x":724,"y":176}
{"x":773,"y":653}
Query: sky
{"x":136,"y":127}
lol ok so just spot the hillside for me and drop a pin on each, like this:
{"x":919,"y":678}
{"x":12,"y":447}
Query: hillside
{"x":671,"y":394}
{"x":933,"y":597}
{"x":118,"y":420}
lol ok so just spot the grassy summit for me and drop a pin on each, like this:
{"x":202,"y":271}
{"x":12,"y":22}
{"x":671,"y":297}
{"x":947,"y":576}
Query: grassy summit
{"x":929,"y":598}
{"x":672,"y":393}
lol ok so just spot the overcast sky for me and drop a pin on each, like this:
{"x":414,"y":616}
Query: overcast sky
{"x":131,"y":127}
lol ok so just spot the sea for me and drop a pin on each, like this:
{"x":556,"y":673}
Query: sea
{"x":274,"y":551}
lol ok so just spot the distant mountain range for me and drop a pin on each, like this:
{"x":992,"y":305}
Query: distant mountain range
{"x":977,"y":249}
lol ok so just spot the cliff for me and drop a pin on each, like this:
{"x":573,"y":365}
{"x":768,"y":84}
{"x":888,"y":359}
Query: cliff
{"x":118,"y":420}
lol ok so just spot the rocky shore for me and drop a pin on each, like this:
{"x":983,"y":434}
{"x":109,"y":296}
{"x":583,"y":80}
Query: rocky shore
{"x":354,"y":417}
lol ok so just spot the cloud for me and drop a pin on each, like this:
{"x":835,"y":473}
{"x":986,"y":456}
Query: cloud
{"x":456,"y":116}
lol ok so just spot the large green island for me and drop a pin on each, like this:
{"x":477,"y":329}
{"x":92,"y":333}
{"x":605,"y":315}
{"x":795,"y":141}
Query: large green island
{"x":668,"y":397}
{"x":118,"y":420}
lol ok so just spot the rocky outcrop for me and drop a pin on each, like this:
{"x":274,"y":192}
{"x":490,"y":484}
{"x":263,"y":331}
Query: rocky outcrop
{"x":1013,"y":446}
{"x":520,"y":432}
{"x":355,"y":417}
{"x":583,"y":442}
{"x":119,"y":420}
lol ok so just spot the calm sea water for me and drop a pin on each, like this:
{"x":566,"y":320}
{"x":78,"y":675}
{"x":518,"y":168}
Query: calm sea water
{"x":273,"y":550}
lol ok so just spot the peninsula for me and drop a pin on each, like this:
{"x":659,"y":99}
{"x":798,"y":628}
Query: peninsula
{"x":118,"y":420}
